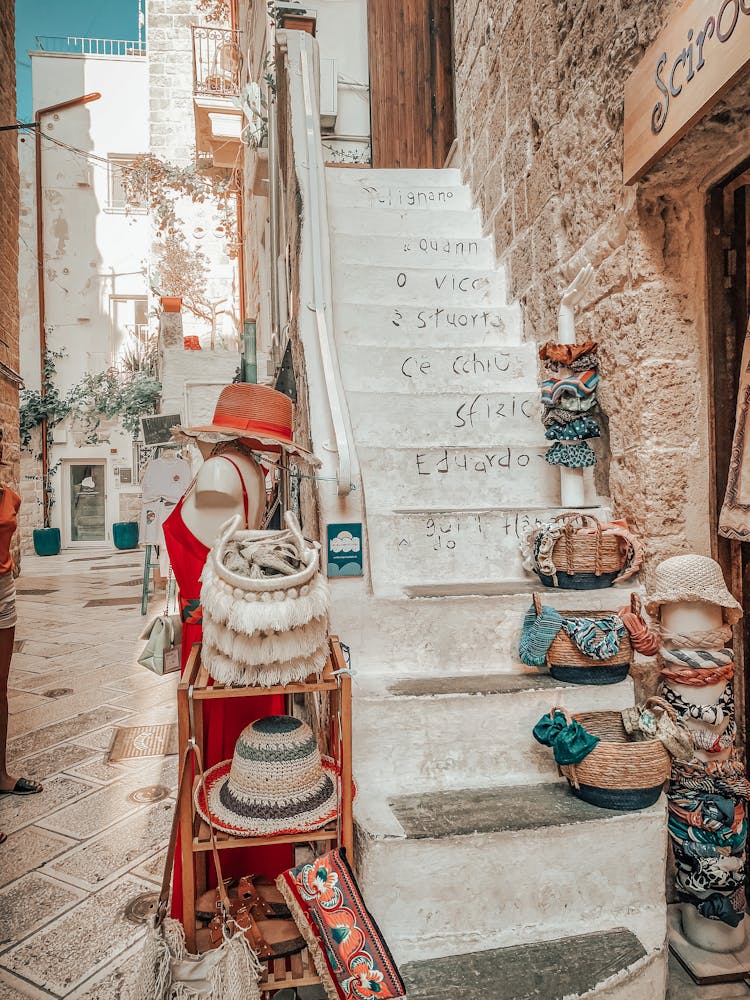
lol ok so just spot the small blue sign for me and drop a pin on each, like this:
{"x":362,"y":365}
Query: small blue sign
{"x":345,"y":550}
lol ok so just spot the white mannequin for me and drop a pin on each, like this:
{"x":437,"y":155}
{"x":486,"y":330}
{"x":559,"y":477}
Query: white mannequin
{"x":711,"y":935}
{"x":217,"y":493}
{"x":686,"y":617}
{"x":572,"y":487}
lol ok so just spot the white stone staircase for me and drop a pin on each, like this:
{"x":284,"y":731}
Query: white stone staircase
{"x":467,"y":841}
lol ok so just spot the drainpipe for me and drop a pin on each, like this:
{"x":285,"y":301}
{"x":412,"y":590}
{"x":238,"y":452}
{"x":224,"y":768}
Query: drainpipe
{"x":51,"y":109}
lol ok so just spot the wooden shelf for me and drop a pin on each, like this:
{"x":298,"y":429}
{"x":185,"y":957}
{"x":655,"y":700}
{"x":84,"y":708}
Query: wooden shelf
{"x":194,"y":690}
{"x":203,"y":687}
{"x":226,"y":841}
{"x":288,"y":973}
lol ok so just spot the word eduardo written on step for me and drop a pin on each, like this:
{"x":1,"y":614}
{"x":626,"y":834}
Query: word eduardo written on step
{"x":457,"y":462}
{"x":675,"y":72}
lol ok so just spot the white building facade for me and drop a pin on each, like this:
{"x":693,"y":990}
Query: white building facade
{"x":95,"y":250}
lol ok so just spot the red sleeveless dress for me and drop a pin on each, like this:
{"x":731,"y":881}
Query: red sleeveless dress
{"x":223,"y":720}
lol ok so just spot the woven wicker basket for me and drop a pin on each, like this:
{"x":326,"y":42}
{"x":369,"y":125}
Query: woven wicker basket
{"x":567,"y":663}
{"x":619,"y":773}
{"x":584,"y":560}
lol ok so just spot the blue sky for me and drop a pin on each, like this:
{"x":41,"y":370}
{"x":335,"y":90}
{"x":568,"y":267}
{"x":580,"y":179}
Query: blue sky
{"x":89,"y":18}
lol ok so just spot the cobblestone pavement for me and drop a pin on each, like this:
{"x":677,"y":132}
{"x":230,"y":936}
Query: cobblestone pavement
{"x":81,"y":852}
{"x":78,"y":854}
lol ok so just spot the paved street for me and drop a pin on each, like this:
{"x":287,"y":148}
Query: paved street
{"x":78,"y":854}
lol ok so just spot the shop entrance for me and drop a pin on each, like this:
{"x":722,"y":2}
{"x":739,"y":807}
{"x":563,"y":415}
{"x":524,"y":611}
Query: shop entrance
{"x":411,"y":82}
{"x":728,"y":228}
{"x":85,"y":503}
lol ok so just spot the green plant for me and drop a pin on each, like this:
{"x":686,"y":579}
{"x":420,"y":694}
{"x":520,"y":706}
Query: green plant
{"x":37,"y":406}
{"x":114,"y":393}
{"x":159,"y":184}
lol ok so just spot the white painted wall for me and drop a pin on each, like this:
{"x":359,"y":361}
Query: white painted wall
{"x":91,"y":252}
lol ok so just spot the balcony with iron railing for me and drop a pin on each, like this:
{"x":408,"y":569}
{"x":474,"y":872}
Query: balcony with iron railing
{"x":80,"y":46}
{"x":216,"y":87}
{"x":216,"y":61}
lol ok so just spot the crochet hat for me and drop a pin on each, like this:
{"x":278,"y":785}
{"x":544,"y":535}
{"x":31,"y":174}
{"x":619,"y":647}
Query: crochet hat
{"x":692,"y":578}
{"x":257,"y":415}
{"x":276,"y":783}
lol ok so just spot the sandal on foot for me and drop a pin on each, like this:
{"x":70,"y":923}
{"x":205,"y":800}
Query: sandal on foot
{"x":268,"y":938}
{"x":24,"y":786}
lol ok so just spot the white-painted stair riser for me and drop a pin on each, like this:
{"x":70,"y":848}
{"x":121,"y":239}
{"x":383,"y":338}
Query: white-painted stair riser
{"x":448,"y":636}
{"x":416,"y":251}
{"x":463,"y":741}
{"x":355,"y":177}
{"x":472,"y":893}
{"x":462,"y":223}
{"x":411,"y":198}
{"x":453,"y":287}
{"x":410,"y":327}
{"x":447,"y":420}
{"x":369,"y":368}
{"x":507,"y":475}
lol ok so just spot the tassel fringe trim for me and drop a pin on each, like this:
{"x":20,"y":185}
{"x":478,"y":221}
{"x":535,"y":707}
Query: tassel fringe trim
{"x":226,"y":671}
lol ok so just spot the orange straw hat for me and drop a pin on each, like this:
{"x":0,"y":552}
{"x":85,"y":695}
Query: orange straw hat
{"x":257,"y":415}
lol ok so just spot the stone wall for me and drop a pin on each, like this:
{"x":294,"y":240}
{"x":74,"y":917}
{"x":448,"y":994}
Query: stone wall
{"x":540,"y":119}
{"x":8,"y":250}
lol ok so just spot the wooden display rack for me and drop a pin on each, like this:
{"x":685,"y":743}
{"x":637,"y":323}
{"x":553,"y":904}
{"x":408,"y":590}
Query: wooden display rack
{"x":196,"y":686}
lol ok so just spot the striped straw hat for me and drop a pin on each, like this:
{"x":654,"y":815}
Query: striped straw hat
{"x":276,"y":783}
{"x":257,"y":415}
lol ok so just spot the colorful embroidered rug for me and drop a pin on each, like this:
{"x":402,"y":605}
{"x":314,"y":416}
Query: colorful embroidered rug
{"x":350,"y":955}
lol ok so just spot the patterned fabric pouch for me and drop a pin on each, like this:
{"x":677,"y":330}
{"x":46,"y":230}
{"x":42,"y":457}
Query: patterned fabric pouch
{"x":350,"y":955}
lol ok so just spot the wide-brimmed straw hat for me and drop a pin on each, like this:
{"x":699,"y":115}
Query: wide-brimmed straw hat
{"x":257,"y":415}
{"x":276,"y":783}
{"x":692,"y":578}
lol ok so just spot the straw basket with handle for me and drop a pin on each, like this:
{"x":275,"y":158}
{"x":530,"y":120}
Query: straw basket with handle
{"x":567,"y":663}
{"x":619,"y":773}
{"x":585,"y":560}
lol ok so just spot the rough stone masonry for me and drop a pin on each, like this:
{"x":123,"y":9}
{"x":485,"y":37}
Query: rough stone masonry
{"x":8,"y":247}
{"x":540,"y":91}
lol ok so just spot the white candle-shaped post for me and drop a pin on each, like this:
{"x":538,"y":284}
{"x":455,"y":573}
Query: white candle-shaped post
{"x":572,"y":488}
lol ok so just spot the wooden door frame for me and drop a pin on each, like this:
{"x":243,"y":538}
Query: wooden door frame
{"x":728,"y":230}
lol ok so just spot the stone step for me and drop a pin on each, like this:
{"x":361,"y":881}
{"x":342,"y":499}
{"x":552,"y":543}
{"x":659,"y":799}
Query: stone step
{"x":447,"y":222}
{"x":439,"y":636}
{"x":418,"y":551}
{"x":584,"y":965}
{"x":474,"y":731}
{"x":355,"y":176}
{"x":355,"y":281}
{"x":430,"y":370}
{"x":447,"y":419}
{"x":412,"y":326}
{"x":416,"y":251}
{"x":448,"y":873}
{"x":506,"y":475}
{"x":416,"y":197}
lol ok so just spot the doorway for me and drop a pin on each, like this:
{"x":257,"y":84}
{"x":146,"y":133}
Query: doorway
{"x":729,"y":306}
{"x":85,"y":506}
{"x":411,"y":82}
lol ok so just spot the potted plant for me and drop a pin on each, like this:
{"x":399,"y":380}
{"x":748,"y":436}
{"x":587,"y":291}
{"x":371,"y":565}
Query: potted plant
{"x":47,"y":541}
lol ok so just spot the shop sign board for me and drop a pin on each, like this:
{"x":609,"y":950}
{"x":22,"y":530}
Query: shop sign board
{"x":700,"y":54}
{"x":345,"y":549}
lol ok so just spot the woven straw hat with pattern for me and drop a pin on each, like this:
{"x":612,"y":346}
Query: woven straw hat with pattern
{"x":692,"y":578}
{"x":276,"y":783}
{"x":257,"y":415}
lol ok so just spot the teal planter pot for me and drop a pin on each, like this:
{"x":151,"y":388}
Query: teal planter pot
{"x":125,"y":534}
{"x":46,"y":541}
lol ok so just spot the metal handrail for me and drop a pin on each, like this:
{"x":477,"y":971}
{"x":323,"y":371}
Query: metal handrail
{"x":320,"y":258}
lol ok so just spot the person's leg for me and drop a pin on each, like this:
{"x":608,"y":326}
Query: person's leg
{"x":21,"y":786}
